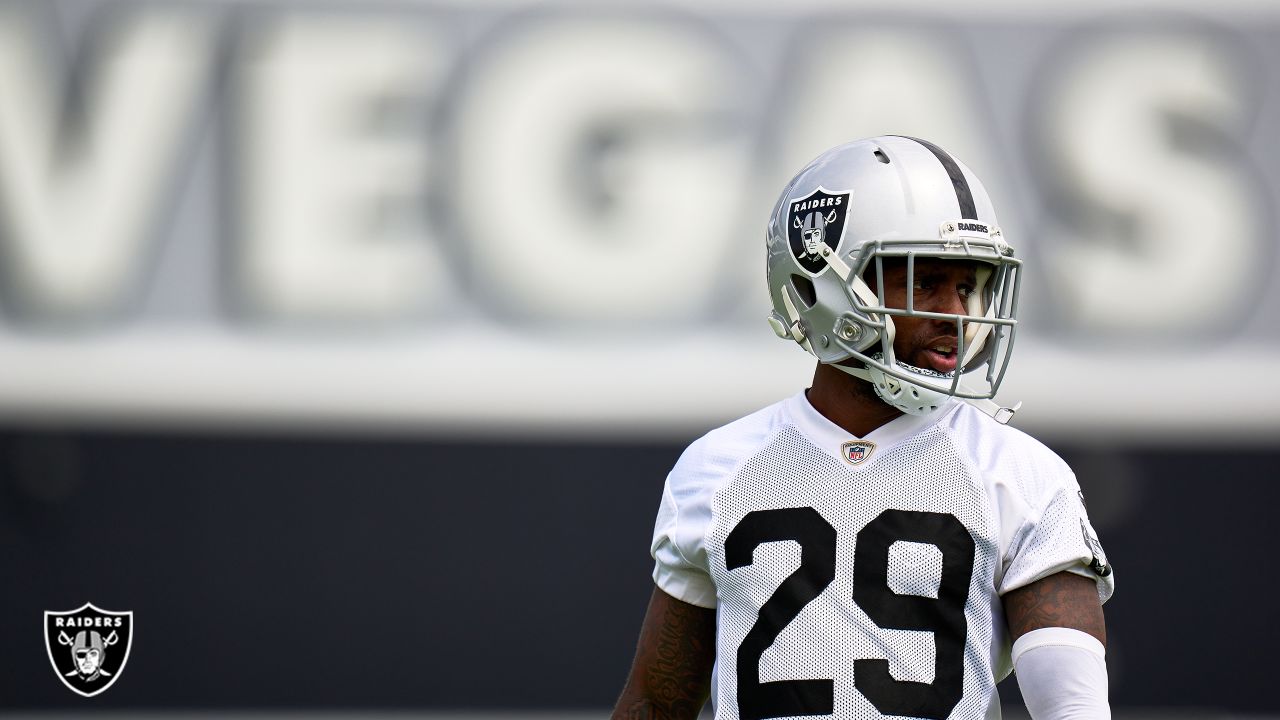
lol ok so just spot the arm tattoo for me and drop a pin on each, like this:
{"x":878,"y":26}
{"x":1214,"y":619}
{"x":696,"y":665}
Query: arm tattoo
{"x":671,"y":677}
{"x":1060,"y":600}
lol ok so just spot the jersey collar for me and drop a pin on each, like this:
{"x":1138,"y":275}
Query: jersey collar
{"x":831,"y":437}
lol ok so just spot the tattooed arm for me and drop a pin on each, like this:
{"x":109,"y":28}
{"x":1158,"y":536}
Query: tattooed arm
{"x":671,"y":676}
{"x":1062,"y":600}
{"x":1059,"y":647}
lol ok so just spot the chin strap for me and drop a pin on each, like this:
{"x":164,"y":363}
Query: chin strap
{"x":998,"y":412}
{"x":860,"y":373}
{"x":791,"y":328}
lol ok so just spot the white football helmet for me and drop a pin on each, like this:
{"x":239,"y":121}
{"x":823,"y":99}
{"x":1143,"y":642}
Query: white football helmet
{"x":890,"y":197}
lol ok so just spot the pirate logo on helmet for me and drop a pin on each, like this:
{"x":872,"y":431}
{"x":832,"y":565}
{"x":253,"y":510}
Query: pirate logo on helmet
{"x":812,"y":221}
{"x":88,"y":647}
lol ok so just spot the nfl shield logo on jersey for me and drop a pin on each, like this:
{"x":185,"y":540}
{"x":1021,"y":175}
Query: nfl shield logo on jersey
{"x":88,"y":647}
{"x":855,"y":451}
{"x":813,"y":220}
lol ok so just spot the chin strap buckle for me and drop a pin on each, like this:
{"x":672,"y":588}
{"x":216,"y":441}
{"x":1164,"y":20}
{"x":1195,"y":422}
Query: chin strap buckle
{"x":998,"y":412}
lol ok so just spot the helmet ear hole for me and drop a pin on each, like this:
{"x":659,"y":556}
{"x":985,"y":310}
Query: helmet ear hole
{"x":804,"y":290}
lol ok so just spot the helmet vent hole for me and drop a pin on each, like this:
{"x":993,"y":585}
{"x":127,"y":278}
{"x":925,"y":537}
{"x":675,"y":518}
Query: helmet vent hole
{"x":804,"y":290}
{"x":881,"y":156}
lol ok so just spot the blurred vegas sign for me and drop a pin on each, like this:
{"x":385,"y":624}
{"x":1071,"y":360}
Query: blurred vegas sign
{"x":547,"y":219}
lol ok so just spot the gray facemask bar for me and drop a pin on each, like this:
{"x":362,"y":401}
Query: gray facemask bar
{"x":1002,"y":289}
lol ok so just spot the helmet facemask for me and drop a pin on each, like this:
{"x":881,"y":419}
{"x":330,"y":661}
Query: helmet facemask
{"x":984,"y":333}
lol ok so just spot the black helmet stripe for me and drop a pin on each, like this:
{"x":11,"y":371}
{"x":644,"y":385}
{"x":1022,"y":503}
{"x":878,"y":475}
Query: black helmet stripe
{"x":963,"y":194}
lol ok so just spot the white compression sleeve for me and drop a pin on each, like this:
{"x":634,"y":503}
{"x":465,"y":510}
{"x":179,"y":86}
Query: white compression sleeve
{"x":1062,"y":674}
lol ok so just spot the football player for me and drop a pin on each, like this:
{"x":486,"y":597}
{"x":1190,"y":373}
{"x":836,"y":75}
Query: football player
{"x":882,"y":543}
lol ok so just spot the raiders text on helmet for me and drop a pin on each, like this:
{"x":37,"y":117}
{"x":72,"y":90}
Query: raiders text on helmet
{"x":890,"y":197}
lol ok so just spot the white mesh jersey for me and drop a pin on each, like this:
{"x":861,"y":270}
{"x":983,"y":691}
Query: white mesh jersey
{"x":871,"y":589}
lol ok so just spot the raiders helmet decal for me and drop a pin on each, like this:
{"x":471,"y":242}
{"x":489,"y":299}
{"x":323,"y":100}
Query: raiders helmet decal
{"x":813,"y":220}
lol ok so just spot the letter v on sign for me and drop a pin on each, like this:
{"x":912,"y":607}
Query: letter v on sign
{"x":76,"y":210}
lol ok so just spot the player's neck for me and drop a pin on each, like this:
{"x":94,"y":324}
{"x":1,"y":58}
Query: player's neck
{"x":848,"y":401}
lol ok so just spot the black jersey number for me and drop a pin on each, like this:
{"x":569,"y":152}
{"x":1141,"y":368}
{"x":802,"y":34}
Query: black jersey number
{"x":944,"y":615}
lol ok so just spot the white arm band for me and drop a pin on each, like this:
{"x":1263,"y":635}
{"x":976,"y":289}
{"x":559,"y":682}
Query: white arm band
{"x":1062,"y":674}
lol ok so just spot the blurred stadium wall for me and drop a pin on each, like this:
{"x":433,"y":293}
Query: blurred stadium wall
{"x":348,"y":344}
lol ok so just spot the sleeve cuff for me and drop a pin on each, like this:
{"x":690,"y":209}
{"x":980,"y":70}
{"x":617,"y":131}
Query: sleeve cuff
{"x":688,"y":586}
{"x":1075,"y":565}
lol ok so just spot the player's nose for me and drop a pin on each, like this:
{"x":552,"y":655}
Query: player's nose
{"x":950,"y":299}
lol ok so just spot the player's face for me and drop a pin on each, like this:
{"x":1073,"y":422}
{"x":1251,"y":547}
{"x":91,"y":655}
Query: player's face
{"x":941,"y":286}
{"x":87,"y":661}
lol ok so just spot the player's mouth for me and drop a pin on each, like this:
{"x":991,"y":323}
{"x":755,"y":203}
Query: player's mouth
{"x":941,"y":356}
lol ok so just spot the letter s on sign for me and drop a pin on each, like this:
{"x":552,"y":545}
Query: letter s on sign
{"x":1159,"y":217}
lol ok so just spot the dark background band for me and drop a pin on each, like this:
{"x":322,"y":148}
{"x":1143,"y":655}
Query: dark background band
{"x":323,"y":572}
